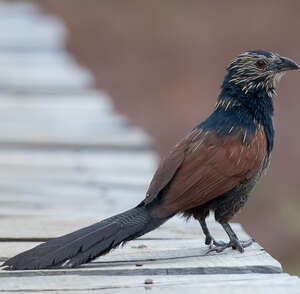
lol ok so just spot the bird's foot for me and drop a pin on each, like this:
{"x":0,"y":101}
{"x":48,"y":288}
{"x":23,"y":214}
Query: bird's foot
{"x":220,"y":246}
{"x":212,"y":243}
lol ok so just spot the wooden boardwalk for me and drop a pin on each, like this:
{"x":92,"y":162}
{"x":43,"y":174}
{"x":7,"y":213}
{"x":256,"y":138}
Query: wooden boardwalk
{"x":67,"y":160}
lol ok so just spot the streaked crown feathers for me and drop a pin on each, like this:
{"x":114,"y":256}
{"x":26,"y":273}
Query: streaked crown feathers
{"x":250,"y":71}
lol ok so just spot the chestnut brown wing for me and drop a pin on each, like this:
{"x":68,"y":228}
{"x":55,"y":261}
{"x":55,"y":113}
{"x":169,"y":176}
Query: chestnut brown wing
{"x":203,"y":166}
{"x":167,"y":169}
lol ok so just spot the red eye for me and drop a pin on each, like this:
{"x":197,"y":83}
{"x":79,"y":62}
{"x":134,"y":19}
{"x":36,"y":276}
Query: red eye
{"x":261,"y":63}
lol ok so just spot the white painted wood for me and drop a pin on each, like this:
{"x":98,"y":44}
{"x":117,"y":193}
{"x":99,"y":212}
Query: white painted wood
{"x":30,"y":31}
{"x":112,"y":180}
{"x":11,"y":177}
{"x":17,"y":8}
{"x":57,"y":77}
{"x":161,"y":284}
{"x":151,"y":246}
{"x":35,"y":58}
{"x":70,"y":119}
{"x":25,"y":136}
{"x":49,"y":226}
{"x":90,"y":101}
{"x":192,"y":261}
{"x":74,"y":175}
{"x":185,"y":255}
{"x":41,"y":227}
{"x":175,"y":253}
{"x":99,"y":201}
{"x":47,"y":121}
{"x":49,"y":160}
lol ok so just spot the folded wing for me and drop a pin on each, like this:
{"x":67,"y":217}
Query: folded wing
{"x":203,"y":166}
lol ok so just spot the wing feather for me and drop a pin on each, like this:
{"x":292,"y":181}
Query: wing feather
{"x":204,"y":166}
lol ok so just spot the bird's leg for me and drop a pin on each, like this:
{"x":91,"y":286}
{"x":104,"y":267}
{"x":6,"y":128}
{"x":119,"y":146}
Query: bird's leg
{"x":209,"y":240}
{"x":208,"y":237}
{"x":234,"y":242}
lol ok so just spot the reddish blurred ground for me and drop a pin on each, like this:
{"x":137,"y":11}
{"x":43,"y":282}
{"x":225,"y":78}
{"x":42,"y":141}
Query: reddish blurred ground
{"x":162,"y":62}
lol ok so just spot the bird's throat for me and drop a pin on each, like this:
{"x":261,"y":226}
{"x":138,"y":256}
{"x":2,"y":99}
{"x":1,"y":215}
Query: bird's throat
{"x":248,"y":110}
{"x":237,"y":111}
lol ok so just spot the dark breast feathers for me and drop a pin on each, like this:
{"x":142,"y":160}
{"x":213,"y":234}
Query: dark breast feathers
{"x":203,"y":166}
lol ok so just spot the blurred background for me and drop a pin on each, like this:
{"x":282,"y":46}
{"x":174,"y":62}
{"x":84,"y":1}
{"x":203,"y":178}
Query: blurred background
{"x":162,"y":62}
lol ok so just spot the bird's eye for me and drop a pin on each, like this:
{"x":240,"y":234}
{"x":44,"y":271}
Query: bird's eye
{"x":260,"y":63}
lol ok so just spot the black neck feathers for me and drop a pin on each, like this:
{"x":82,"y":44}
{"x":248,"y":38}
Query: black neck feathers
{"x":236,"y":110}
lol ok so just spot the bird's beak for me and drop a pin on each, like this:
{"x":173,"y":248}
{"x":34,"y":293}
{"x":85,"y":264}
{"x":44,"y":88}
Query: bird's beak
{"x":284,"y":64}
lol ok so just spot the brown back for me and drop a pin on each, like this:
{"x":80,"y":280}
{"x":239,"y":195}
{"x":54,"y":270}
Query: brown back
{"x":203,"y":166}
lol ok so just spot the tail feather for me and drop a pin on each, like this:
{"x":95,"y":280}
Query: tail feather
{"x":87,"y":243}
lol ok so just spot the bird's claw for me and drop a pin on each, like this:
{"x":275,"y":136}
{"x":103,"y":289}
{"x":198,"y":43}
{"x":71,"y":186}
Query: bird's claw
{"x":220,"y":246}
{"x":211,"y":242}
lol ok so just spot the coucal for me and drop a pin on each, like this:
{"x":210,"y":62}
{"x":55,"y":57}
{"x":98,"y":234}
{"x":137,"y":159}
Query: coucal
{"x":214,"y":167}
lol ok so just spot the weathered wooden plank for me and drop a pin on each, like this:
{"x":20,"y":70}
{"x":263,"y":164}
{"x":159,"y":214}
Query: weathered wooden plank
{"x":52,"y":121}
{"x":30,"y":31}
{"x":182,"y":257}
{"x":17,"y":8}
{"x":134,"y":182}
{"x":45,"y":227}
{"x":193,"y":261}
{"x":156,"y":253}
{"x":143,"y":249}
{"x":83,"y":160}
{"x":55,"y":174}
{"x":10,"y":178}
{"x":35,"y":57}
{"x":54,"y":106}
{"x":73,"y":122}
{"x":31,"y":79}
{"x":119,"y":169}
{"x":99,"y":202}
{"x":40,"y":227}
{"x":92,"y":101}
{"x":161,"y":284}
{"x":26,"y":137}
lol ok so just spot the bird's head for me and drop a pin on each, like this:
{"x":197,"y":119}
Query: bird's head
{"x":258,"y":70}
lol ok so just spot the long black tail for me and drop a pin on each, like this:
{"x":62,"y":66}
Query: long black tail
{"x":88,"y":243}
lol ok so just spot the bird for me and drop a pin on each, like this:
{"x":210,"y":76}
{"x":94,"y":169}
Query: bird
{"x":213,"y":168}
